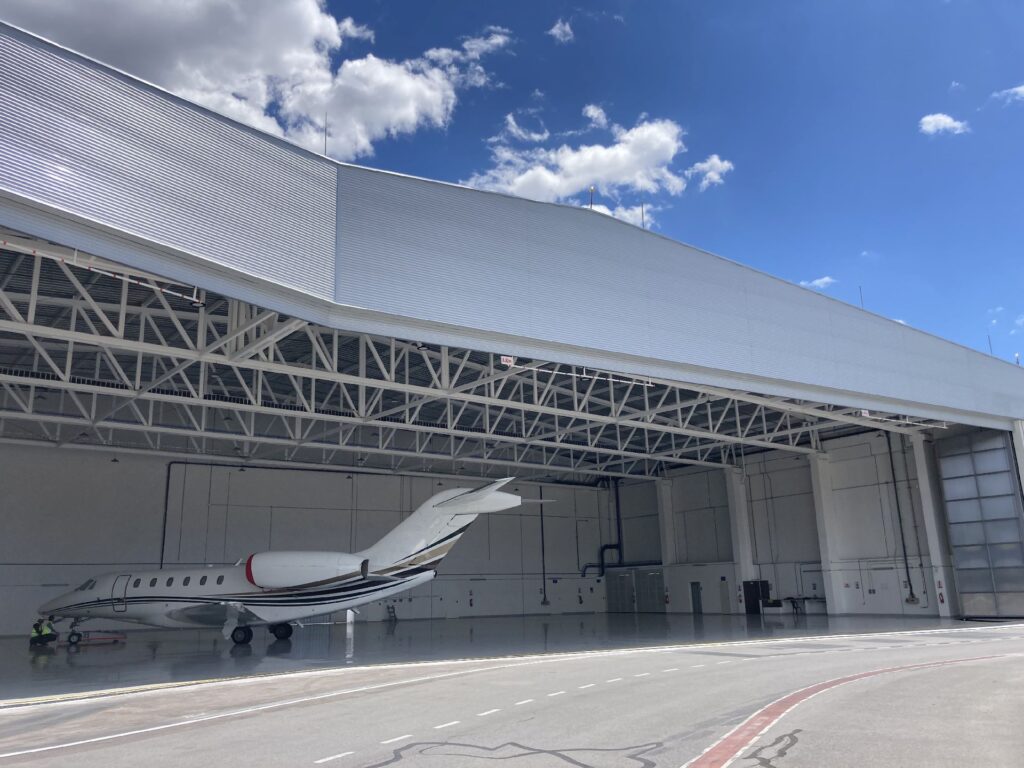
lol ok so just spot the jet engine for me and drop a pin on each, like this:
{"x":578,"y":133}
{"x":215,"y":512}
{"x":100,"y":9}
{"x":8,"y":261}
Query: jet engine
{"x":277,"y":570}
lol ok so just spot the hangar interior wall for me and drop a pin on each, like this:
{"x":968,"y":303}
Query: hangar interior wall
{"x":868,"y":574}
{"x":70,"y":514}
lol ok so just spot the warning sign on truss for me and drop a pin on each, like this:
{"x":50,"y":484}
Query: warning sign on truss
{"x":508,"y":360}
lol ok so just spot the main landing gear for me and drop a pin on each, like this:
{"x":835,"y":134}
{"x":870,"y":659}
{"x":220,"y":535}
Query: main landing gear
{"x":241,"y":635}
{"x":281,"y":631}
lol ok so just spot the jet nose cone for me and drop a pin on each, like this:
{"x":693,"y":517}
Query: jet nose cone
{"x":52,"y":606}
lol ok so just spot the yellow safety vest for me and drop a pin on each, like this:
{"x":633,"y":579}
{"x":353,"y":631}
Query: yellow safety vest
{"x":48,"y":629}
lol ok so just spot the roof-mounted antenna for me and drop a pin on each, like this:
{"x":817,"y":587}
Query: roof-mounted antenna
{"x":591,"y":197}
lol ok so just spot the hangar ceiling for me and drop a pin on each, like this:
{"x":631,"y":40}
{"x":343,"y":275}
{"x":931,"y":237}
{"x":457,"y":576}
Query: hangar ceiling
{"x":95,"y":354}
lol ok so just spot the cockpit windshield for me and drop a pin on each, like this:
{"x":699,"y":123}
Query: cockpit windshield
{"x":87,"y":585}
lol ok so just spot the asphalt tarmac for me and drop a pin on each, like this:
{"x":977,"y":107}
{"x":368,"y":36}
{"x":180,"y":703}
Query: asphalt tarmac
{"x":934,"y":697}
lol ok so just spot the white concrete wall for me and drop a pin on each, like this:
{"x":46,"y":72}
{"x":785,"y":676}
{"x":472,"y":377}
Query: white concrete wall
{"x":70,"y":514}
{"x":868,"y":573}
{"x":641,"y":539}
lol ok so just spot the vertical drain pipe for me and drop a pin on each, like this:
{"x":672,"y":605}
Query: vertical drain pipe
{"x":899,"y":516}
{"x":543,"y":563}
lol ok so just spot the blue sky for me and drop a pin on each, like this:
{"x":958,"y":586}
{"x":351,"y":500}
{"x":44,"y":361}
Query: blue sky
{"x":812,"y":110}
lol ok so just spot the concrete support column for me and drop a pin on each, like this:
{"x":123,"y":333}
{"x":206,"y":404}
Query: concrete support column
{"x":740,"y":528}
{"x":1018,"y":448}
{"x":824,"y":516}
{"x":943,"y":587}
{"x":667,"y":522}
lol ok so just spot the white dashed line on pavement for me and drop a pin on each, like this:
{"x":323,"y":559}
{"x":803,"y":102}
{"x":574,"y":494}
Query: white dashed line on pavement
{"x":446,"y":725}
{"x":642,"y":674}
{"x":488,"y":712}
{"x":673,"y":669}
{"x":332,"y":757}
{"x":397,"y":738}
{"x":695,"y":666}
{"x":588,"y":685}
{"x":613,"y":680}
{"x":556,"y":693}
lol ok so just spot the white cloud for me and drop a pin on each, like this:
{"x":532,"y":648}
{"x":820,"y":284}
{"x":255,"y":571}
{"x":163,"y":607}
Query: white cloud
{"x":956,"y":85}
{"x":347,"y":27}
{"x":1010,"y":94}
{"x":268,"y":63}
{"x":638,"y":159}
{"x":1019,"y":321}
{"x":819,"y":284}
{"x":996,"y":310}
{"x":462,"y":64}
{"x":940,"y":123}
{"x":710,"y":170}
{"x":639,"y":216}
{"x":514,"y":130}
{"x":562,"y":32}
{"x":596,"y":116}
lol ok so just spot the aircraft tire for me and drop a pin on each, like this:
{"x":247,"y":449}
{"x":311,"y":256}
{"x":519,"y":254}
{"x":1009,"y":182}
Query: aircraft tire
{"x":241,"y":635}
{"x":74,"y":638}
{"x":281,"y":631}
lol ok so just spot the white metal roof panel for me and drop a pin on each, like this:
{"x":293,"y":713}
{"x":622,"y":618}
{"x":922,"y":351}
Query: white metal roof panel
{"x":84,"y":138}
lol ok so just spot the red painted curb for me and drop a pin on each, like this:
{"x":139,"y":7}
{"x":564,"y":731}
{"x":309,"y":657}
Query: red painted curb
{"x":728,"y":748}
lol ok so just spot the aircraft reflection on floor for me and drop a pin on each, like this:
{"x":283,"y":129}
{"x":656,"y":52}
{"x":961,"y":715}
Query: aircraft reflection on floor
{"x":156,"y":656}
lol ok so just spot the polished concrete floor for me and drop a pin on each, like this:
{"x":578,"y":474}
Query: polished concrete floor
{"x":161,"y":656}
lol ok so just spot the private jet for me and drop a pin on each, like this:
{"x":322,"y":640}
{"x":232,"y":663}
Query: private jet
{"x":277,"y":589}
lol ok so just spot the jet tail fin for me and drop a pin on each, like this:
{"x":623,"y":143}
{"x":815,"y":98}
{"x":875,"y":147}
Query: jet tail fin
{"x":423,"y":538}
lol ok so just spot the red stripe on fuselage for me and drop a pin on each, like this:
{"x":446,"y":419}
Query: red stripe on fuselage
{"x":248,"y":570}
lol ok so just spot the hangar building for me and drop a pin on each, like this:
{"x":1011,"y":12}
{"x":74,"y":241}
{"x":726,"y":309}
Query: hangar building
{"x":214,"y":343}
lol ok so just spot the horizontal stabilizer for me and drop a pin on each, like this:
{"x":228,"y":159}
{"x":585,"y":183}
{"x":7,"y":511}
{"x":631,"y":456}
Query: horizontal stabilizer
{"x":476,"y":493}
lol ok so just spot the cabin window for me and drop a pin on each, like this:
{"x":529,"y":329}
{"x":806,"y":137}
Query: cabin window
{"x":185,"y":581}
{"x":220,"y":579}
{"x":202,"y":581}
{"x":152,"y":582}
{"x":170,"y":581}
{"x":135,"y":584}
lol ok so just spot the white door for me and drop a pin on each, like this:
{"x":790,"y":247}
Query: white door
{"x":119,"y":592}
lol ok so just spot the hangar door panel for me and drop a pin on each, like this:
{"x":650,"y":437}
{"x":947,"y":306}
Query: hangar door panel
{"x":986,"y":526}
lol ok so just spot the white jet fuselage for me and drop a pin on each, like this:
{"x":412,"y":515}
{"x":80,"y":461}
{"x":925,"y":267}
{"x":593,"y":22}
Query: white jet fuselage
{"x":282,"y":587}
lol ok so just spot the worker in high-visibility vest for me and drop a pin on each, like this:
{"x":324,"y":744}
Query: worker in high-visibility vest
{"x":42,"y":634}
{"x":36,"y":638}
